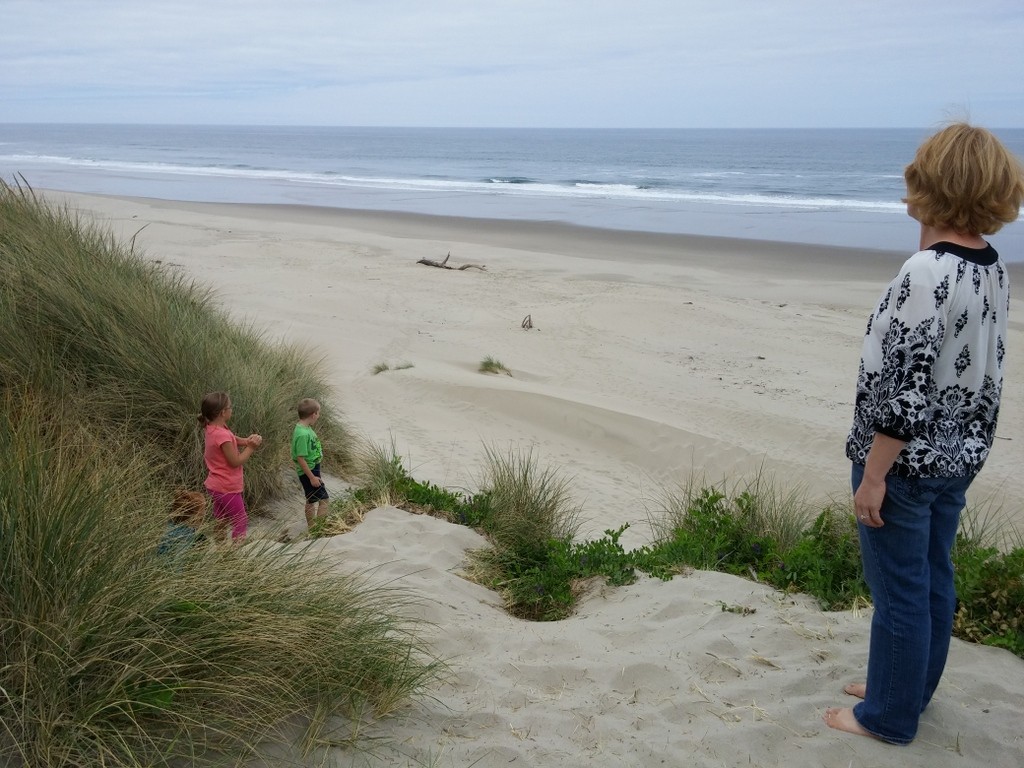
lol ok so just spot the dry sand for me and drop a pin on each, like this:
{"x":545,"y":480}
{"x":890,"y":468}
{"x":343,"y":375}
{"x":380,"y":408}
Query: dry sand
{"x":651,"y":357}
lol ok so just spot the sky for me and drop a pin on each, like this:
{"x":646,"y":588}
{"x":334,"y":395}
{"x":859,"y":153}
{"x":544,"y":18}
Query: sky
{"x":514,"y":63}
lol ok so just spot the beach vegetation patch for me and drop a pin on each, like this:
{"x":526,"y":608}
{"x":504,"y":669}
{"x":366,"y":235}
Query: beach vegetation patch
{"x":382,"y":367}
{"x":756,"y":532}
{"x":343,"y":515}
{"x":990,"y":595}
{"x":491,"y":365}
{"x":755,"y":529}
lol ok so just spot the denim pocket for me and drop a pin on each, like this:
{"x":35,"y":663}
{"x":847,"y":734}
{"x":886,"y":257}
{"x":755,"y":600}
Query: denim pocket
{"x":909,"y":488}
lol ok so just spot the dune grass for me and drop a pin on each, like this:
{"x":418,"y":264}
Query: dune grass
{"x":384,"y":367}
{"x":759,"y":530}
{"x":141,"y":343}
{"x":491,"y":365}
{"x":114,"y":655}
{"x":527,"y":505}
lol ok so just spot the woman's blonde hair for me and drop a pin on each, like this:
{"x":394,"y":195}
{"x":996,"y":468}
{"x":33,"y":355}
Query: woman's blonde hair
{"x":964,"y":178}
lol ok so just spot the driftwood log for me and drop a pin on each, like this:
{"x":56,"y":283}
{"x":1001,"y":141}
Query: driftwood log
{"x":444,"y":264}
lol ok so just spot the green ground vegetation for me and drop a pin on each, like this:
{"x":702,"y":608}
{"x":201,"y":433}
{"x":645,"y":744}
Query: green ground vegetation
{"x":491,"y":365}
{"x":112,"y":653}
{"x":756,"y":530}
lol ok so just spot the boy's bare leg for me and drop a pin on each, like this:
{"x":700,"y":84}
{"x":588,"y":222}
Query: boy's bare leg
{"x":323,"y":507}
{"x":310,"y":508}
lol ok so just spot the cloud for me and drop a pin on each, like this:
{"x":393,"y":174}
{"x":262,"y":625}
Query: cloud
{"x":505,"y":62}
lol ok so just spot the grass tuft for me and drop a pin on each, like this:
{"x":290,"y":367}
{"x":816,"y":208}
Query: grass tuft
{"x":382,"y":367}
{"x":490,"y":365}
{"x":528,"y":506}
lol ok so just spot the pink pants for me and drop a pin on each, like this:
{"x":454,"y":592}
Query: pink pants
{"x":229,"y":508}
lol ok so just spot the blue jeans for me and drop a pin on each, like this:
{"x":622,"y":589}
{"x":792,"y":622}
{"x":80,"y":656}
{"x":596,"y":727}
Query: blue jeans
{"x":908,"y":569}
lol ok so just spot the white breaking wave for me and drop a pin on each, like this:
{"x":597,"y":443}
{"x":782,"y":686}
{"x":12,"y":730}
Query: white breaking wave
{"x":494,"y":186}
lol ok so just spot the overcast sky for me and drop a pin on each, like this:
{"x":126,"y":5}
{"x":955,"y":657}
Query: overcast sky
{"x":553,"y":63}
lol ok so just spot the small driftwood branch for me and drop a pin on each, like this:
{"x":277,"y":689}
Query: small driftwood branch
{"x":444,"y":264}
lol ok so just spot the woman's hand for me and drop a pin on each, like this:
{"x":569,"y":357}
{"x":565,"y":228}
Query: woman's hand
{"x":867,"y":502}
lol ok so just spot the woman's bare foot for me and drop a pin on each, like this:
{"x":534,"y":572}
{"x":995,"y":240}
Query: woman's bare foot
{"x":856,"y":689}
{"x":842,"y":719}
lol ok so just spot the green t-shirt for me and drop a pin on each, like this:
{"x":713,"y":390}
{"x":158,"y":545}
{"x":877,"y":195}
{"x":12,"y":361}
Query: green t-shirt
{"x":306,"y":444}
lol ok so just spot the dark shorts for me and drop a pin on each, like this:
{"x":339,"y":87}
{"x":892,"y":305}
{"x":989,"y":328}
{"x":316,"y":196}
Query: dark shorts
{"x":313,"y":494}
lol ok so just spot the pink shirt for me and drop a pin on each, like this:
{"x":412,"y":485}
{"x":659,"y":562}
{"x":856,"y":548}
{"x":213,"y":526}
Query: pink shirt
{"x":223,"y":478}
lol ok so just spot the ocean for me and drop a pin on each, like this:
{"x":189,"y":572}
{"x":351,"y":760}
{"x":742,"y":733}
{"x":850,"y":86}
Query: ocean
{"x":819,"y":186}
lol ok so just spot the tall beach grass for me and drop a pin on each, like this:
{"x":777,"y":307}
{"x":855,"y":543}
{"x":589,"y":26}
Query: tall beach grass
{"x":110,"y":653}
{"x":84,"y":317}
{"x":115,"y":655}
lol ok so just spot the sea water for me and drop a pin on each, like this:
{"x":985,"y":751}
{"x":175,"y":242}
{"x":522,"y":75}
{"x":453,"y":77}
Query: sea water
{"x":820,"y":186}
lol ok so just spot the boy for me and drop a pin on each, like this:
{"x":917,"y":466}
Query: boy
{"x":307,"y":453}
{"x":188,"y":513}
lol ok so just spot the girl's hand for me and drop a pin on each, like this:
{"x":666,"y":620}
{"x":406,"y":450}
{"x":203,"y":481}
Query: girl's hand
{"x":255,"y":440}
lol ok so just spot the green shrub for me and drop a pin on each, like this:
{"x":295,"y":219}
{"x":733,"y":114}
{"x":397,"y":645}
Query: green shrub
{"x":990,"y":595}
{"x":716,"y":535}
{"x":544,"y":583}
{"x":825,"y":562}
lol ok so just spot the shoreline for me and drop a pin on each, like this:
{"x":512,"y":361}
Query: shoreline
{"x":579,"y":240}
{"x":653,"y":356}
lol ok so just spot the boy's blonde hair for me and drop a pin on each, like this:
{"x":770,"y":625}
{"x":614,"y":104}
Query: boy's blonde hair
{"x":964,"y":178}
{"x":307,"y":407}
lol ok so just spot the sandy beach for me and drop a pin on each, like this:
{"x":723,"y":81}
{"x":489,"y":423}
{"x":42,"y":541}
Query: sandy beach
{"x":651,"y":358}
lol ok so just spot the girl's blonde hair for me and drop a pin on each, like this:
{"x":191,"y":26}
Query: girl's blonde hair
{"x":964,"y":178}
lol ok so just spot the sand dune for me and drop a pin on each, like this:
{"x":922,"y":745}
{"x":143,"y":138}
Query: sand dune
{"x":651,"y":357}
{"x":654,"y":674}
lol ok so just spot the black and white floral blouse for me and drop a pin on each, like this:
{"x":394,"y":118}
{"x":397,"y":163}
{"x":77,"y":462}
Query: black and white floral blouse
{"x":931,"y":369}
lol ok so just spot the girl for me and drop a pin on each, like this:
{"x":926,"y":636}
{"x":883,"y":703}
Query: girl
{"x":224,"y":462}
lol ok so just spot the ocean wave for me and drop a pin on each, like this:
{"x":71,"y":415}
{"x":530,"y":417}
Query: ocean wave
{"x":648,"y":190}
{"x":512,"y":180}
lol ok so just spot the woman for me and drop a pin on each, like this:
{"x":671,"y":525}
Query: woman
{"x":925,"y":417}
